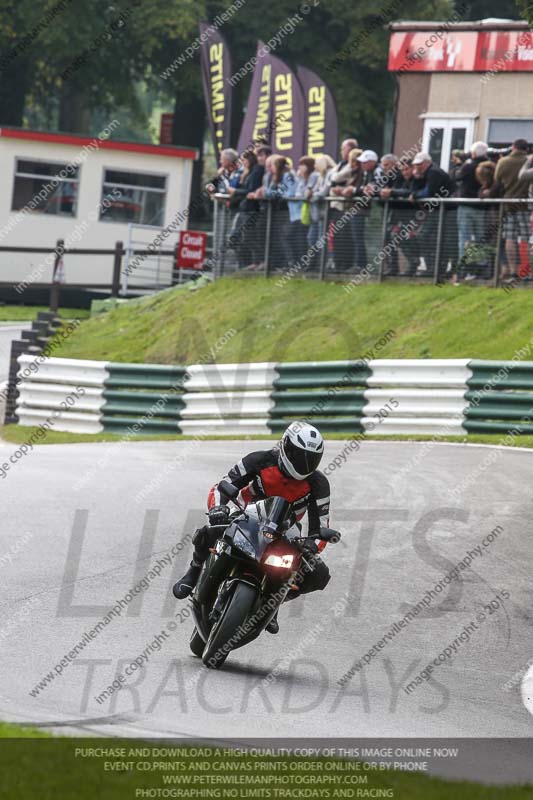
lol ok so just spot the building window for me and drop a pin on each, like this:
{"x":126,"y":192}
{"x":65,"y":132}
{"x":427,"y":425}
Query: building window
{"x":46,"y":187}
{"x":133,"y":197}
{"x":503,"y":132}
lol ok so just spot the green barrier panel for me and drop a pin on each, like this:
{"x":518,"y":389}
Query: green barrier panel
{"x":497,"y":427}
{"x":491,"y":398}
{"x":501,"y":374}
{"x":138,"y":411}
{"x":330,"y":425}
{"x":318,"y":374}
{"x":125,"y":425}
{"x":499,"y":411}
{"x":145,"y":376}
{"x":141,"y":403}
{"x":315,"y":403}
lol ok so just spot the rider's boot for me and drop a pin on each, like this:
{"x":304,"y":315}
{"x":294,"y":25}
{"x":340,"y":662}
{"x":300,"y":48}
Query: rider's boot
{"x":185,"y":586}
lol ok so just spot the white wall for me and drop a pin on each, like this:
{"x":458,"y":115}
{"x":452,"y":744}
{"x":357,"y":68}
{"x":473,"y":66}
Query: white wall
{"x":43,"y":230}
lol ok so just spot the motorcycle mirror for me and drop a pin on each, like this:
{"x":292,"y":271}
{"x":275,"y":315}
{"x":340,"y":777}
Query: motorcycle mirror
{"x":329,"y":535}
{"x":228,"y":489}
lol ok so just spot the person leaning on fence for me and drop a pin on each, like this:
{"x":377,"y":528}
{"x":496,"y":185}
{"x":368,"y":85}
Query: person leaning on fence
{"x":516,"y":229}
{"x":250,"y":180}
{"x":281,"y":187}
{"x":434,"y":182}
{"x":366,"y":188}
{"x":391,"y":178}
{"x":354,"y":240}
{"x":404,"y":226}
{"x":227,"y":174}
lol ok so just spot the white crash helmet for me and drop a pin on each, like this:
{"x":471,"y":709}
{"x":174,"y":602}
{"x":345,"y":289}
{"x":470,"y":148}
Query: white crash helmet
{"x":300,"y":450}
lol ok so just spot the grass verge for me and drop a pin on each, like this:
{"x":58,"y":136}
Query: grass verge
{"x":18,"y":434}
{"x":29,"y":313}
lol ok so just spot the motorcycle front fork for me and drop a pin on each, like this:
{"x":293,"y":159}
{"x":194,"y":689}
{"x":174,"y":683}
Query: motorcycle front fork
{"x":218,"y":605}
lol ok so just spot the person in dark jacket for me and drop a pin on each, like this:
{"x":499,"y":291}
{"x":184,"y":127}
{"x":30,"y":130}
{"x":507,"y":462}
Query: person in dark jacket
{"x":405,"y":227}
{"x":249,"y":252}
{"x":391,"y":178}
{"x":432,"y":182}
{"x":471,"y":221}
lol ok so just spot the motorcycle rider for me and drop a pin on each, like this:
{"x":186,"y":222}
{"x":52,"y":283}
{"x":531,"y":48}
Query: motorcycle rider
{"x":288,"y":470}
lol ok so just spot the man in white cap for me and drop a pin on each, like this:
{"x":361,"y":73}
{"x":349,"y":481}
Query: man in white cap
{"x":437,"y":182}
{"x":367,"y":188}
{"x":434,"y":182}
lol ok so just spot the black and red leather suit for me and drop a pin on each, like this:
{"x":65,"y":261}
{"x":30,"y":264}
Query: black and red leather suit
{"x":258,"y":476}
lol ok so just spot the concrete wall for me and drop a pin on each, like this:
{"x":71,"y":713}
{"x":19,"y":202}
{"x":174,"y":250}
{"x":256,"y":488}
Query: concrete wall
{"x":412,"y":100}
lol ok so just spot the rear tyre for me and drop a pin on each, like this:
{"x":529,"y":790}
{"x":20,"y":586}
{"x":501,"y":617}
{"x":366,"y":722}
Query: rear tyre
{"x":235,"y":614}
{"x":196,"y":643}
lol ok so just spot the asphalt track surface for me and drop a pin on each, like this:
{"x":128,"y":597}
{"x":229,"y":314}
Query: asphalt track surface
{"x":402,"y":532}
{"x":8,"y":332}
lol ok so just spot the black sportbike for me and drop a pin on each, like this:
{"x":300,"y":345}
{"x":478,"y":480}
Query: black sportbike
{"x":254,"y":564}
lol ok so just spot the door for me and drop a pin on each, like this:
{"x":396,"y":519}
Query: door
{"x":444,"y":134}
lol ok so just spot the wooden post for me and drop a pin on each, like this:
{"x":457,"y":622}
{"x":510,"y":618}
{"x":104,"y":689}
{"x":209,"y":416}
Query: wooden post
{"x":117,"y":268}
{"x":54,"y":291}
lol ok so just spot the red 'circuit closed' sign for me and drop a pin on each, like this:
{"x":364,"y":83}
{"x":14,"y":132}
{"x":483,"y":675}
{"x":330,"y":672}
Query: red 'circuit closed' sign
{"x":191,"y":250}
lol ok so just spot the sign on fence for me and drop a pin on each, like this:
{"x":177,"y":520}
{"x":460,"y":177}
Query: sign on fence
{"x":191,"y":250}
{"x":165,"y":128}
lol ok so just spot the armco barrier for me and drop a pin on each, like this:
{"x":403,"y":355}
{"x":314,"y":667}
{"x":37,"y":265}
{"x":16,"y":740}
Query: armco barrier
{"x":384,"y":396}
{"x":33,"y":342}
{"x":44,"y":384}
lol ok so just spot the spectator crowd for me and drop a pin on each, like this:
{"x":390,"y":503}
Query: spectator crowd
{"x":469,"y":237}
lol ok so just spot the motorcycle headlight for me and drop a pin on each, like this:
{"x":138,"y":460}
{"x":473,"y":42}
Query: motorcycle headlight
{"x":240,"y":541}
{"x":283,"y":562}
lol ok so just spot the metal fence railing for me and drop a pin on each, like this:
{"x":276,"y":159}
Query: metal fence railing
{"x":436,"y":240}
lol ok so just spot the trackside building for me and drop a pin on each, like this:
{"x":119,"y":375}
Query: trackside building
{"x":458,"y":82}
{"x":90,"y":192}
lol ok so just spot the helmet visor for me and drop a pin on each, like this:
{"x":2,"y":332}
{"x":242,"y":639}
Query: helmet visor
{"x":304,"y":462}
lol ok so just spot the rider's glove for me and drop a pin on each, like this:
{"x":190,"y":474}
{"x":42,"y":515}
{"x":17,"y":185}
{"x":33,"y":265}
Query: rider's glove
{"x":218,"y":515}
{"x":309,"y":547}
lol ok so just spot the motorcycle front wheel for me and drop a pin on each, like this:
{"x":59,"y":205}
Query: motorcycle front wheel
{"x":235,"y":614}
{"x":196,"y":643}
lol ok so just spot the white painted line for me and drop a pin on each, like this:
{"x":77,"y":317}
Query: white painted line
{"x":527,"y":689}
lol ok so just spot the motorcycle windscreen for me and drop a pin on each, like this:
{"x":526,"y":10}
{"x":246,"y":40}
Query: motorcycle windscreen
{"x":264,"y":519}
{"x":278,"y":511}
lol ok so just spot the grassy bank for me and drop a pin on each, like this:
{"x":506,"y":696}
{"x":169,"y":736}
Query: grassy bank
{"x":243,"y":320}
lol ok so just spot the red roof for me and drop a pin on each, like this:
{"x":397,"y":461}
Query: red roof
{"x":105,"y":144}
